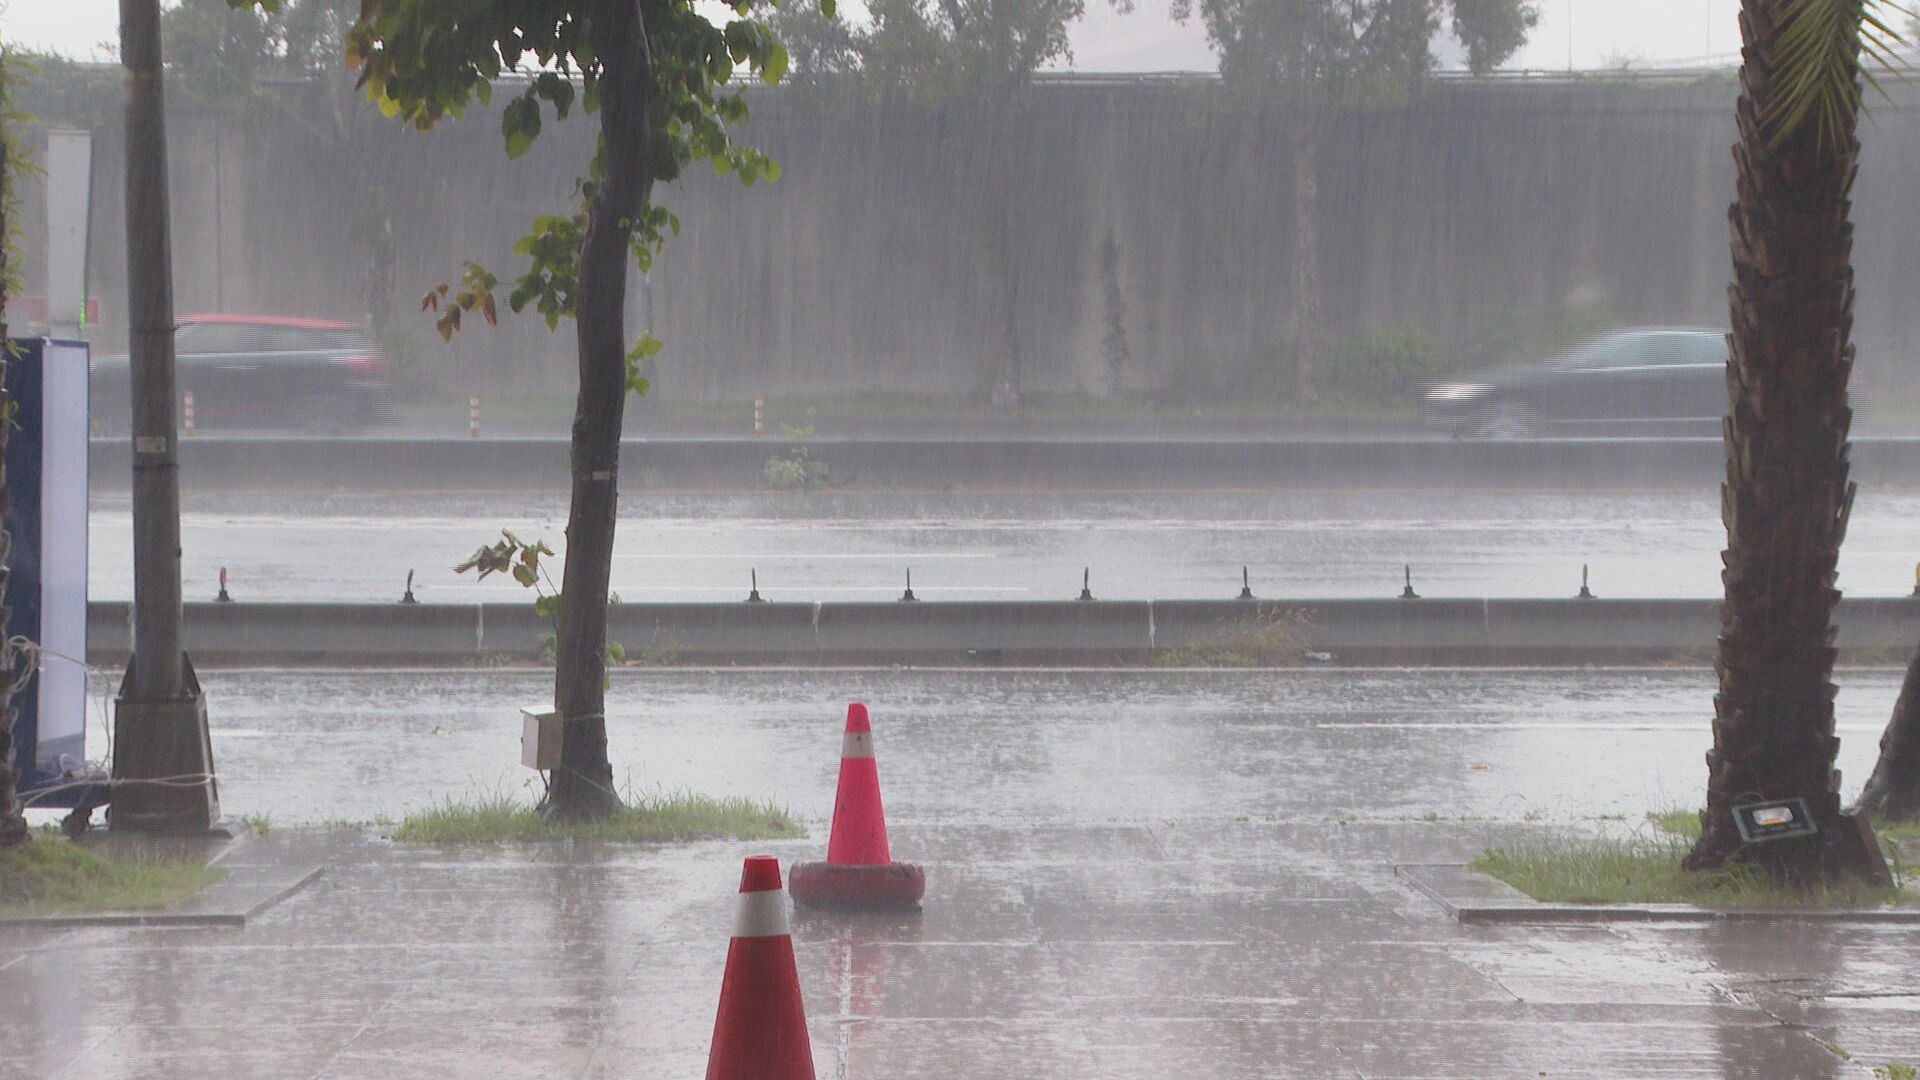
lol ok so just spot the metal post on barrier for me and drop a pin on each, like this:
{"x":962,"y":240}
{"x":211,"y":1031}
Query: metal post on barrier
{"x":473,"y":417}
{"x":759,"y":418}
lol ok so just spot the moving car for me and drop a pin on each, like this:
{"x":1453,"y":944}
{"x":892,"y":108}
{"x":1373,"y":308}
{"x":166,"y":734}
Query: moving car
{"x":1648,"y":381}
{"x":261,"y":372}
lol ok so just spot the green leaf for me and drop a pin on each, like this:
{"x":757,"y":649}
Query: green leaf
{"x":647,"y":346}
{"x":520,"y":123}
{"x":775,"y":67}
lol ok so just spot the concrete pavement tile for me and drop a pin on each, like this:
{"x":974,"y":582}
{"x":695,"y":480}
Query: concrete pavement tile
{"x":480,"y":1055}
{"x":1217,"y":1049}
{"x":1327,"y":976}
{"x":1040,"y":843}
{"x":1876,"y":1036}
{"x":1453,"y":1050}
{"x":1589,"y":964}
{"x":948,"y":982}
{"x":165,"y":985}
{"x":254,"y":1050}
{"x":959,"y":1049}
{"x":655,"y":1063}
{"x":1208,"y":918}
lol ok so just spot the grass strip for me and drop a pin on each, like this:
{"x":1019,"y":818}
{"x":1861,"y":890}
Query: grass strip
{"x":48,"y":877}
{"x":1646,"y":870}
{"x":503,"y":819}
{"x":1685,"y":823}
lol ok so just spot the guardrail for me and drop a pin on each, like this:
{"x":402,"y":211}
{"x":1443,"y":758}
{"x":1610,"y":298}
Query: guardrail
{"x":1172,"y":632}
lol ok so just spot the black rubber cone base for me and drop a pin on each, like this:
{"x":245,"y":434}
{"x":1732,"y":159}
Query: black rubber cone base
{"x":827,"y":885}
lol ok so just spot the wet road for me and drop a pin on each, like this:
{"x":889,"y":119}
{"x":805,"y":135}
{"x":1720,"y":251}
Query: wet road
{"x":1005,"y":747}
{"x":1131,"y":875}
{"x":860,"y":547}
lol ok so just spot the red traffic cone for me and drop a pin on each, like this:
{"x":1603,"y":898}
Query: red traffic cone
{"x":859,"y":871}
{"x":761,"y":1030}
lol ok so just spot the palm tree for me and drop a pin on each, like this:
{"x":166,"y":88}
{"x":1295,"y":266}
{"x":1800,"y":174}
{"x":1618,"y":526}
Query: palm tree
{"x":1892,"y":793}
{"x":1787,"y":493}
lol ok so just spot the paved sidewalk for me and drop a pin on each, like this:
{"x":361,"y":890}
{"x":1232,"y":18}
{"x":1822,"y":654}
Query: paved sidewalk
{"x":1131,"y":949}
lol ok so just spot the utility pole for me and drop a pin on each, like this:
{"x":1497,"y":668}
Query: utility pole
{"x":160,"y":717}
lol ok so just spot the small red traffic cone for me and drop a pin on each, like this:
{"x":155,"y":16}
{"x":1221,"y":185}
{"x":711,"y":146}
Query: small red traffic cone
{"x":761,"y":1030}
{"x":859,"y":871}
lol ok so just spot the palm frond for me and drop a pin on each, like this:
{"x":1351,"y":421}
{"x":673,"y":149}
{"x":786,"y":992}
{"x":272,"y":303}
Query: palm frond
{"x":1821,"y":55}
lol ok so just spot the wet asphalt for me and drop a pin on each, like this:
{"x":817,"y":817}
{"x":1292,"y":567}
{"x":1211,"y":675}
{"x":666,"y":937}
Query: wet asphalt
{"x":837,"y":546}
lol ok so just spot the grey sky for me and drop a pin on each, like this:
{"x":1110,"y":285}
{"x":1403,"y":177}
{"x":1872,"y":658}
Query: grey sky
{"x":1603,"y":32}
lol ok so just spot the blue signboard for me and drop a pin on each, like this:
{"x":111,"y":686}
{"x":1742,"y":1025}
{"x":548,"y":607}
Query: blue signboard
{"x":47,"y":590}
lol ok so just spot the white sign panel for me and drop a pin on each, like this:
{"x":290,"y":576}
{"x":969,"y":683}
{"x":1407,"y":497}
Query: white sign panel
{"x":63,"y":546}
{"x":69,"y":189}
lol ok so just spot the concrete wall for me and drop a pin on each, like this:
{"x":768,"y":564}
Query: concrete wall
{"x":908,"y":248}
{"x":1024,"y":464}
{"x":1188,"y":632}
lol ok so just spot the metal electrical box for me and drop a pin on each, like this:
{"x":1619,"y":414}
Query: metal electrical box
{"x":539,"y":738}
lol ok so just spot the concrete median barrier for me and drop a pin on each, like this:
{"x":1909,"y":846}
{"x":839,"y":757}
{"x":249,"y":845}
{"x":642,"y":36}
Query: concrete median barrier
{"x":397,"y":464}
{"x":1179,"y":633}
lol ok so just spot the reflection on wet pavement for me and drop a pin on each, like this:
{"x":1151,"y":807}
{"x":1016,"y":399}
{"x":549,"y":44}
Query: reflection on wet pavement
{"x":979,"y":547}
{"x":1130,"y":875}
{"x":1027,"y":746}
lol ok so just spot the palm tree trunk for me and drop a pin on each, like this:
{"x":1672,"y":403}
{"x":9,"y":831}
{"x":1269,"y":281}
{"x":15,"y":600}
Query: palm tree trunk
{"x":582,"y":788}
{"x":1787,"y":493}
{"x":1893,"y":791}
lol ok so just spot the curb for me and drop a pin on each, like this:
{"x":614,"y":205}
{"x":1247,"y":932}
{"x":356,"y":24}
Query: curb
{"x":1350,"y":632}
{"x":243,"y":894}
{"x":1475,"y":898}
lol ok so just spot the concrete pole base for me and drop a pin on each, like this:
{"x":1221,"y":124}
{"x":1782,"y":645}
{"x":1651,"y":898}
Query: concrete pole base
{"x":167,"y":744}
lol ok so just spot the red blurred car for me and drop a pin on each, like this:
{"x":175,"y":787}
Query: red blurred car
{"x":261,"y":372}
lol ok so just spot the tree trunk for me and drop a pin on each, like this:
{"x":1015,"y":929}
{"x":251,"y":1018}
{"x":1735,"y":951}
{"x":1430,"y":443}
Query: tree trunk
{"x":1893,"y":791}
{"x":13,"y":824}
{"x":582,"y":787}
{"x":1304,"y":334}
{"x":1787,"y":494}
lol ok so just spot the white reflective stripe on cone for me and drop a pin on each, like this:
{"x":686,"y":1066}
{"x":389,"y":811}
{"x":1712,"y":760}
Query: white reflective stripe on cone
{"x":856,"y":744}
{"x":761,"y":914}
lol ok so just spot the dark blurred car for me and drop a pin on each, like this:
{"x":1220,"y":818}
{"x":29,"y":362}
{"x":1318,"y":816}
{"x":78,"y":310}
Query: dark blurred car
{"x":1650,"y":382}
{"x":261,"y":372}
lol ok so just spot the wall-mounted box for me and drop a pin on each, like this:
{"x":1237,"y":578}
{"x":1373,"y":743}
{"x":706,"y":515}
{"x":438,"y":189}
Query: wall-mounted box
{"x":539,"y":738}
